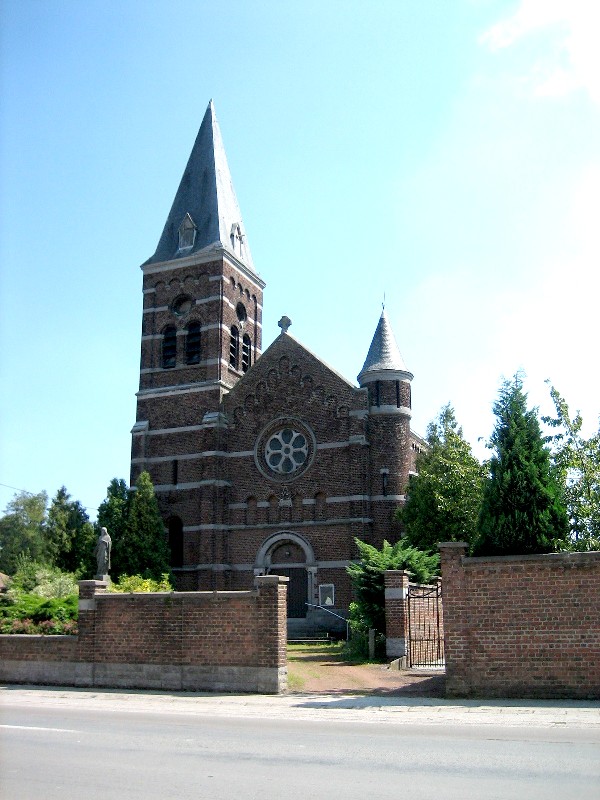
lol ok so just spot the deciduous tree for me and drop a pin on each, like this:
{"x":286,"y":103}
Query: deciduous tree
{"x":22,"y":530}
{"x":577,"y":461}
{"x":444,"y":498}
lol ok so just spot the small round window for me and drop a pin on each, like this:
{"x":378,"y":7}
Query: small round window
{"x":286,"y":451}
{"x":182,"y":305}
{"x":240,"y":311}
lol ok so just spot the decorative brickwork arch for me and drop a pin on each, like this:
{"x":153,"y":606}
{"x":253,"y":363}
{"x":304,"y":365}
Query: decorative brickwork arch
{"x":288,"y":554}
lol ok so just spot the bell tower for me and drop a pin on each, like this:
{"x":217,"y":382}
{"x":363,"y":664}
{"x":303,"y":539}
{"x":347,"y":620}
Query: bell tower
{"x":201,"y":323}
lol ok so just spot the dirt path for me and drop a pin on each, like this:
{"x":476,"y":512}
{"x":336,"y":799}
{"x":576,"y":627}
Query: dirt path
{"x":320,"y":669}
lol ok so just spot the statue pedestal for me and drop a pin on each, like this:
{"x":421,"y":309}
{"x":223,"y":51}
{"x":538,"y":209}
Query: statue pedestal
{"x":103,"y":578}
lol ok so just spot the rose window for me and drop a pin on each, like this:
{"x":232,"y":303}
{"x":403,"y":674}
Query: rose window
{"x":286,"y":451}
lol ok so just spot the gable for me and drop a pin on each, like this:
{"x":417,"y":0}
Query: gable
{"x":289,"y":381}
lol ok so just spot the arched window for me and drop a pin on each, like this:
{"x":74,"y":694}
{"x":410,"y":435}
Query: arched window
{"x":246,"y":352}
{"x":192,"y":343}
{"x":169,"y":347}
{"x":175,"y":526}
{"x":234,"y":347}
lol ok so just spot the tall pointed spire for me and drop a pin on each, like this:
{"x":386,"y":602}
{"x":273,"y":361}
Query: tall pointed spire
{"x":205,"y":214}
{"x":384,"y":360}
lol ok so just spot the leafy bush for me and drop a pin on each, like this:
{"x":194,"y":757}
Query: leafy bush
{"x":45,"y":627}
{"x":52,"y":583}
{"x":18,"y":615}
{"x":368,"y":580}
{"x":36,"y":577}
{"x":357,"y":647}
{"x":135,"y":583}
{"x":24,"y":578}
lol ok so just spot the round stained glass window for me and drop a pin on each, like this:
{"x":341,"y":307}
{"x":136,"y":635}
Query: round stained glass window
{"x":286,"y":451}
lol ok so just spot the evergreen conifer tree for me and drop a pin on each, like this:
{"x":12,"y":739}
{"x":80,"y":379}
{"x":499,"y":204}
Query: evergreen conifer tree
{"x":69,"y":535}
{"x":147,"y":550}
{"x":522,"y":510}
{"x":367,"y":576}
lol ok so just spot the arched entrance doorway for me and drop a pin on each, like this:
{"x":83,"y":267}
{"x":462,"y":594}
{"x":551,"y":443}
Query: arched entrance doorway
{"x":291,"y":556}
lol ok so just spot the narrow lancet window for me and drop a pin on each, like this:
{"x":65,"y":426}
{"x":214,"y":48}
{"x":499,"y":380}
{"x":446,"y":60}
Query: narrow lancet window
{"x":234,"y":347}
{"x":192,"y":343}
{"x":169,"y":348}
{"x":246,"y":352}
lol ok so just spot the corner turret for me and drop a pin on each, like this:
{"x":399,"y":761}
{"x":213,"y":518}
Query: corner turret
{"x":384,"y":373}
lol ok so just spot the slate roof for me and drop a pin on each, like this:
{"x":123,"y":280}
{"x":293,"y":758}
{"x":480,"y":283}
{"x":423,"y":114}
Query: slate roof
{"x":206,"y":193}
{"x":384,"y":353}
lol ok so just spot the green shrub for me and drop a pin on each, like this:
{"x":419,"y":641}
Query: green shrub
{"x":368,"y":581}
{"x":52,"y":583}
{"x":135,"y":583}
{"x":35,"y":577}
{"x":24,"y":579}
{"x":38,"y":609}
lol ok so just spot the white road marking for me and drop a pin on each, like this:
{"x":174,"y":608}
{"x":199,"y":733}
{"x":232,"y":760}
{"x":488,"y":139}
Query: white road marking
{"x":34,"y":728}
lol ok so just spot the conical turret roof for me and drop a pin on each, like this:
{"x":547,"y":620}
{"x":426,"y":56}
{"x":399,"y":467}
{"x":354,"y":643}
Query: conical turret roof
{"x":207,"y":195}
{"x":384,"y":360}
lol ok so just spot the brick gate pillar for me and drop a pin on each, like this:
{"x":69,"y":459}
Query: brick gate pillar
{"x":456,"y":618}
{"x":86,"y":625}
{"x":396,"y":613}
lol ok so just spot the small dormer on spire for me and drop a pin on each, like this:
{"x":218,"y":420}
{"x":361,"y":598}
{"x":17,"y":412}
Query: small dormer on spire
{"x":187,"y":234}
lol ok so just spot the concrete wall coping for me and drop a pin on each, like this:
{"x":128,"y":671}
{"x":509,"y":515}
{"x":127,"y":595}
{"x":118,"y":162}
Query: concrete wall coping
{"x":568,"y":559}
{"x":259,"y":580}
{"x":453,"y":545}
{"x":214,"y":595}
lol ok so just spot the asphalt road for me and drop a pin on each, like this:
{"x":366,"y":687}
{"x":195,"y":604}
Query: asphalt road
{"x":155,"y":748}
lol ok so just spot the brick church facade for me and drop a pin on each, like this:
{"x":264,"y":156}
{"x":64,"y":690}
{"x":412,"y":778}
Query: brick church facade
{"x":262,"y":462}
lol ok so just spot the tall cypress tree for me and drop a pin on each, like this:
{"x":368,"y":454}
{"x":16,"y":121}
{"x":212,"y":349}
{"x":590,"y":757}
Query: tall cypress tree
{"x":522,"y":510}
{"x":70,"y":535}
{"x":146,"y":539}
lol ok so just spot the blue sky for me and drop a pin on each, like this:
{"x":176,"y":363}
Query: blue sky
{"x":445,"y":154}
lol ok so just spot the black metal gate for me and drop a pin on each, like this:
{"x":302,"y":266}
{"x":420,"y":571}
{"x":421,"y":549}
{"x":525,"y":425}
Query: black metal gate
{"x":425,"y":626}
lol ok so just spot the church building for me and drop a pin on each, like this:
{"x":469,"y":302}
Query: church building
{"x":262,"y":462}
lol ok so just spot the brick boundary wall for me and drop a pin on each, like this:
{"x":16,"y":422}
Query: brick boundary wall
{"x":190,"y":641}
{"x":521,"y":626}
